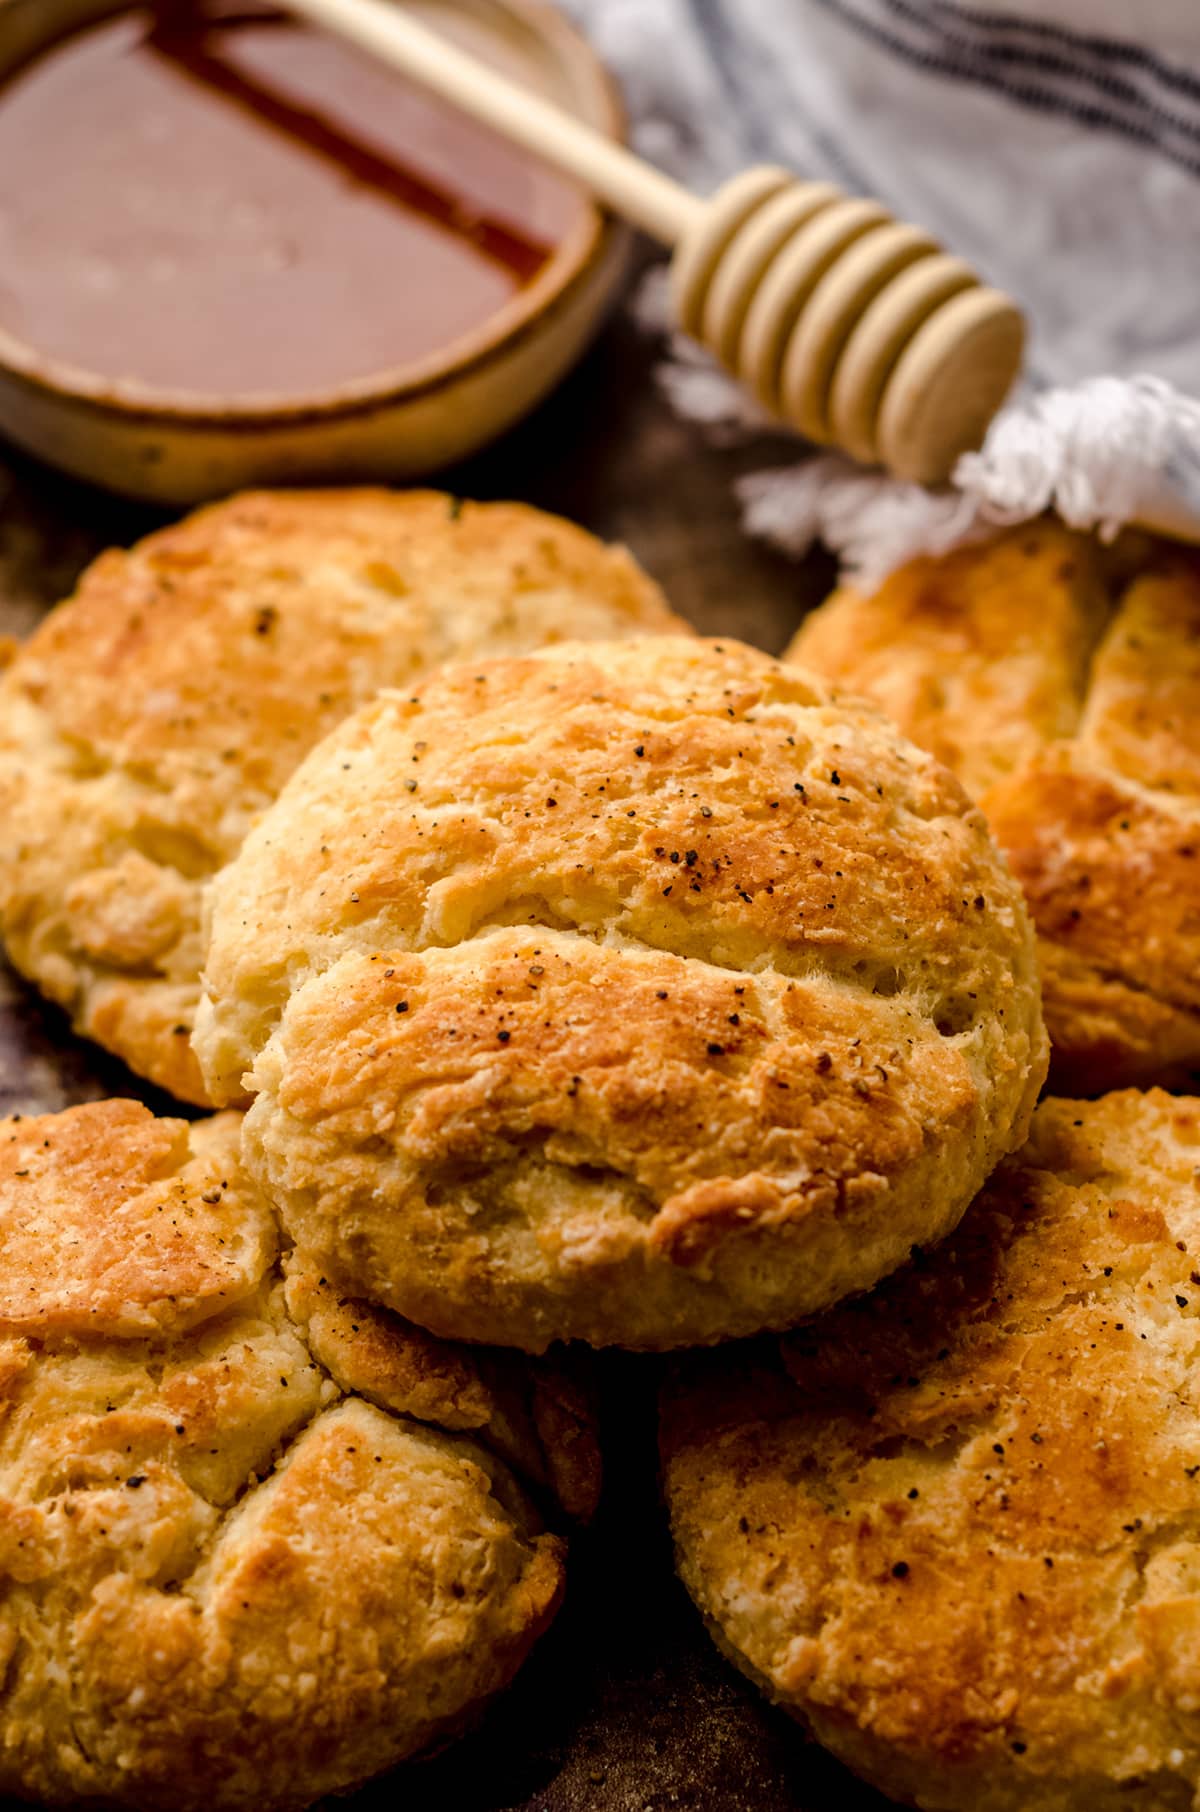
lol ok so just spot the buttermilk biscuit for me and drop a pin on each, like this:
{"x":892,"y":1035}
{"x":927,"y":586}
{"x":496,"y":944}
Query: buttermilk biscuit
{"x":956,"y":1526}
{"x":258,"y":1542}
{"x":1062,"y":684}
{"x":635,"y":993}
{"x":154,"y":715}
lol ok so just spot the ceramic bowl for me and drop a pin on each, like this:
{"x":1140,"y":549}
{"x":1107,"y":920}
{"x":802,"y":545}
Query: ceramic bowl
{"x":175,"y":448}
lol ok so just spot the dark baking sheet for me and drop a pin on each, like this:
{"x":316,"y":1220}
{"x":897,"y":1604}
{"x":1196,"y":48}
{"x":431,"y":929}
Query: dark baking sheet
{"x":626,"y":1706}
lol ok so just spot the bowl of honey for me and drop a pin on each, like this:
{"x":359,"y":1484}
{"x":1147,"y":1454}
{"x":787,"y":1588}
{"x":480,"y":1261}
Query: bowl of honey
{"x":235,"y":250}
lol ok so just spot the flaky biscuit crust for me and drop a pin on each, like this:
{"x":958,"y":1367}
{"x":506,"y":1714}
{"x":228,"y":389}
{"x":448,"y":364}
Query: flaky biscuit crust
{"x":255,"y":1544}
{"x":156,"y":713}
{"x":956,"y":1526}
{"x":638,"y":994}
{"x":1063,"y":685}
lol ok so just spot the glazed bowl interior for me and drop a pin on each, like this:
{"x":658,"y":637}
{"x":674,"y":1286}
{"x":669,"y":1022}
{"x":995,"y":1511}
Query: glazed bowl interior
{"x":59,"y":410}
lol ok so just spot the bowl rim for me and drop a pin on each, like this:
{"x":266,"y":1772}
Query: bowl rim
{"x":568,"y":269}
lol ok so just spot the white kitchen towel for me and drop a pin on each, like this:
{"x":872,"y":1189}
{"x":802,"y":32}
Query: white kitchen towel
{"x":1056,"y":147}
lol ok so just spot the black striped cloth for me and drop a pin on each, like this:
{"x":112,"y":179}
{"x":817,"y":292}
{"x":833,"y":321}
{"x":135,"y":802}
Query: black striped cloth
{"x":1056,"y":146}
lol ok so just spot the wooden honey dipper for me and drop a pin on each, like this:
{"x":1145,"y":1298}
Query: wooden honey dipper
{"x":856,"y":330}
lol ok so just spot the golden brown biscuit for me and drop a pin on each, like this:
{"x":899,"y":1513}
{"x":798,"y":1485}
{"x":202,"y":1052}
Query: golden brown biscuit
{"x":955,"y":1526}
{"x":153,"y":716}
{"x":1062,"y":684}
{"x":633,"y":993}
{"x":256,"y":1542}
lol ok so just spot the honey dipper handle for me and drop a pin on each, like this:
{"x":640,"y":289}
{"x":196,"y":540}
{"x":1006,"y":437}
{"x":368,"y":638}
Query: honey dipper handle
{"x":850,"y":327}
{"x":634,"y":189}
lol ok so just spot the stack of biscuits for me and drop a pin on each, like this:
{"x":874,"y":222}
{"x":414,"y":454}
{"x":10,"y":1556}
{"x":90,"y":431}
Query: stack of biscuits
{"x":534,"y":975}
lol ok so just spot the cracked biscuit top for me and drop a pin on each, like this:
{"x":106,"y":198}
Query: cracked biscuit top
{"x":956,"y":1526}
{"x":642,"y":994}
{"x":1061,"y":682}
{"x":257,"y":1541}
{"x":155,"y":713}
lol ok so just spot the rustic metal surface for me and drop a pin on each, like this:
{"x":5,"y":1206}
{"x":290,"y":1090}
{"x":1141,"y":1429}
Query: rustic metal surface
{"x":626,"y":1706}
